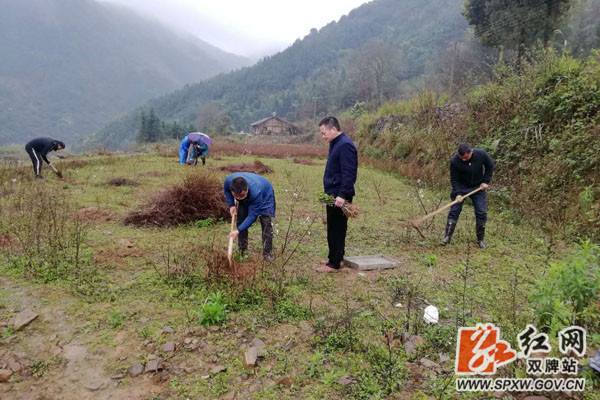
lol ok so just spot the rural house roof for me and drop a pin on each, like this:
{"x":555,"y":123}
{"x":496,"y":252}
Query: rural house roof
{"x":262,"y":121}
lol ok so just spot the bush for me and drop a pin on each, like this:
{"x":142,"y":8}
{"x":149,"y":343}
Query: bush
{"x":214,"y":310}
{"x":567,"y":295}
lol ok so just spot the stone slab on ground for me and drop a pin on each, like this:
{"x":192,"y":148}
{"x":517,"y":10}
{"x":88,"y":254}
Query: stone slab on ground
{"x":372,"y":262}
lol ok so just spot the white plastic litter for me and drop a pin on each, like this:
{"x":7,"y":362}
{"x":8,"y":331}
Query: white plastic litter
{"x":398,"y":305}
{"x":431,"y":315}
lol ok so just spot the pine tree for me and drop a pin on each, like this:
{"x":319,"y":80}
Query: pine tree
{"x":142,"y":135}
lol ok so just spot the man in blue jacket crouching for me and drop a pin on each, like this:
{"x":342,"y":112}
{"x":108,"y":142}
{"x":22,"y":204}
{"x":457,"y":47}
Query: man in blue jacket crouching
{"x":256,"y":200}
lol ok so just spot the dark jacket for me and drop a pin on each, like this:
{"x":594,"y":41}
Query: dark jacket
{"x":341,"y":168}
{"x":468,"y":175}
{"x":42,"y":146}
{"x":261,"y":197}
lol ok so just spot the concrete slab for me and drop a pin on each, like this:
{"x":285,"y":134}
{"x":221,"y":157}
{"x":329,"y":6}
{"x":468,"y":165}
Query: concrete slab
{"x":368,"y":263}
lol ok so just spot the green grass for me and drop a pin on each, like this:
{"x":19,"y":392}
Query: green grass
{"x":466,"y":284}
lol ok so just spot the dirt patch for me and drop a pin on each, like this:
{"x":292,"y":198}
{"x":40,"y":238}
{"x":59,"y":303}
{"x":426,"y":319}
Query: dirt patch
{"x":122,"y":182}
{"x":94,"y":214}
{"x":219,"y":269}
{"x":257,"y":168}
{"x":155,"y":174}
{"x":117,"y":255}
{"x":6,"y":241}
{"x":197,"y":197}
{"x":303,"y":161}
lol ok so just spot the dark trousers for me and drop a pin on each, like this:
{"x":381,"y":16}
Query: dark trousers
{"x":479,"y":202}
{"x":266,"y":227}
{"x":36,"y":159}
{"x":337,"y":226}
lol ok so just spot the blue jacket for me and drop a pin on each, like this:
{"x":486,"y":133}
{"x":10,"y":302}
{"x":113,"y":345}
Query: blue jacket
{"x":341,"y":168}
{"x":261,"y":197}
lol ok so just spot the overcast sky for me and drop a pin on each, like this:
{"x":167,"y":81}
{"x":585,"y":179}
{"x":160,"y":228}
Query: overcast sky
{"x":250,"y":28}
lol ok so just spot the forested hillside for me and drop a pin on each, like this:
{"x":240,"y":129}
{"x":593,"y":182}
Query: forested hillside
{"x":367,"y":55}
{"x":69,"y":66}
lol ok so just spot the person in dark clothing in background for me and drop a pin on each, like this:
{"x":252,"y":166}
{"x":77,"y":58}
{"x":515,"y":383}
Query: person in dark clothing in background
{"x":338,"y":180}
{"x":469,"y":169}
{"x":38,"y":150}
{"x":256,"y":200}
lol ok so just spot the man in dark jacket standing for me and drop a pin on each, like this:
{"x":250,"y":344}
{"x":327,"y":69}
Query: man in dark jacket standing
{"x":256,"y":200}
{"x":338,"y":181}
{"x":38,"y":150}
{"x":469,"y":169}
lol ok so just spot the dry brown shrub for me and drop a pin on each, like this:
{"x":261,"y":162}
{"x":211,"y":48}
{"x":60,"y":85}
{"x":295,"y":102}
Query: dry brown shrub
{"x":269,"y":150}
{"x":93,"y":214}
{"x":257,"y":168}
{"x":117,"y":255}
{"x":303,"y":161}
{"x":218,"y":268}
{"x":6,"y":241}
{"x":198,"y":196}
{"x":156,"y":174}
{"x":122,"y":182}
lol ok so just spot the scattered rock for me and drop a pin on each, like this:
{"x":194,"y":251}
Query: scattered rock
{"x":126,"y":242}
{"x":444,"y":358}
{"x":499,"y":395}
{"x":136,"y":369}
{"x":398,"y":305}
{"x":24,"y":318}
{"x":144,"y":320}
{"x":251,"y":356}
{"x":14,"y":366}
{"x":430,"y":364}
{"x":166,"y":329}
{"x":346,"y":380}
{"x":410,"y":344}
{"x":260,"y":346}
{"x":95,"y":385}
{"x":168,"y":347}
{"x":146,"y":342}
{"x":153,"y":365}
{"x":217,"y":369}
{"x":535,"y":398}
{"x":288,"y":345}
{"x":118,"y":376}
{"x":187,"y":340}
{"x":230,"y":396}
{"x":5,"y":375}
{"x":285,"y":381}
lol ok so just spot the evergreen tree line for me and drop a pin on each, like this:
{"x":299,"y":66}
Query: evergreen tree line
{"x":153,"y":129}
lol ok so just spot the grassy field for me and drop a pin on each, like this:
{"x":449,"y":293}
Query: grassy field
{"x":111,"y":295}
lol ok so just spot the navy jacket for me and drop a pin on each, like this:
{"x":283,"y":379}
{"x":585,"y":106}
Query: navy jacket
{"x":341,"y":168}
{"x":261,"y":197}
{"x":42,"y":146}
{"x":468,"y":175}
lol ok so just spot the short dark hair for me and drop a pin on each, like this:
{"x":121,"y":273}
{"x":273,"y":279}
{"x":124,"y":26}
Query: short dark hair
{"x":464,"y":148}
{"x":238,"y":185}
{"x":59,"y":144}
{"x":331,"y":122}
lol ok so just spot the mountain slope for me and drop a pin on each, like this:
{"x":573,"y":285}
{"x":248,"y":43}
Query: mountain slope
{"x":68,"y":66}
{"x":312,"y":68}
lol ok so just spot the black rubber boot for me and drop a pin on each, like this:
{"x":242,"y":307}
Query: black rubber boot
{"x":450,"y":225}
{"x":480,"y":232}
